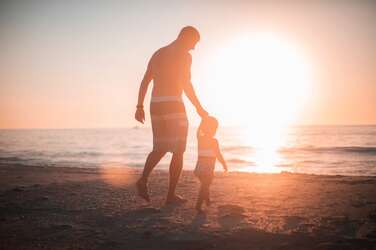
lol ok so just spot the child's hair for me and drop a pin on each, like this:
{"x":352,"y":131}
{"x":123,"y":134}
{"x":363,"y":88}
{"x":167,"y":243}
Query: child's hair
{"x":208,"y":126}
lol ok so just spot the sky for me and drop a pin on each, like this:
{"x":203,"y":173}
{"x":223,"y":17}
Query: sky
{"x":78,"y":64}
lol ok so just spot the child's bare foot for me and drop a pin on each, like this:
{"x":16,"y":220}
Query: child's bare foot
{"x":142,"y":189}
{"x":199,"y":209}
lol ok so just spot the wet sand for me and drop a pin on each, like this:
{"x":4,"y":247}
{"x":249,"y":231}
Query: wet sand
{"x":72,"y":208}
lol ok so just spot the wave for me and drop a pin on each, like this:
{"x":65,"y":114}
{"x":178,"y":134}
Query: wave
{"x":349,"y":149}
{"x":78,"y":154}
{"x":11,"y":159}
{"x":314,"y":149}
{"x":238,"y":148}
{"x":240,"y":161}
{"x":40,"y":154}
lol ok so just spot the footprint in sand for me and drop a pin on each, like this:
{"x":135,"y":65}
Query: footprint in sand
{"x":292,"y":222}
{"x":231,"y":216}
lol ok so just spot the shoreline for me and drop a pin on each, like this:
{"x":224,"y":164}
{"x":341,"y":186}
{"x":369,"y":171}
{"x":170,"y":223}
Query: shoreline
{"x":138,"y":168}
{"x":85,"y":208}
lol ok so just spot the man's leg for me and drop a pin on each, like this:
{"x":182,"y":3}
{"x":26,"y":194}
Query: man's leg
{"x":151,"y":161}
{"x":176,"y":166}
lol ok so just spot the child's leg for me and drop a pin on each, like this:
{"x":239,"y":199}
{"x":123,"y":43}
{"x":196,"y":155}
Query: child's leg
{"x":200,"y":198}
{"x":207,"y":190}
{"x":204,"y":194}
{"x":207,"y":195}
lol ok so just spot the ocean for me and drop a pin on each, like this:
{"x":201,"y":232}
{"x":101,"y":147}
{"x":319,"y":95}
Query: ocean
{"x":328,"y":150}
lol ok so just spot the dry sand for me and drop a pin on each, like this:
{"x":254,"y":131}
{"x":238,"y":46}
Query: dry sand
{"x":72,"y":208}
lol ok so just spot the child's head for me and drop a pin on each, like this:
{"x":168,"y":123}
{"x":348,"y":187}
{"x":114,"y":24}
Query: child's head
{"x":208,"y":126}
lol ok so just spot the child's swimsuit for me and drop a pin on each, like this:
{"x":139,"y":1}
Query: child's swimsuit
{"x":205,"y":162}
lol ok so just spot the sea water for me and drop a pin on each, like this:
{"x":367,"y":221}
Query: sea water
{"x":343,"y":150}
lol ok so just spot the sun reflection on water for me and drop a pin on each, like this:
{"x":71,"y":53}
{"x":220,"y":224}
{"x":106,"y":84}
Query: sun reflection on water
{"x":266,"y":141}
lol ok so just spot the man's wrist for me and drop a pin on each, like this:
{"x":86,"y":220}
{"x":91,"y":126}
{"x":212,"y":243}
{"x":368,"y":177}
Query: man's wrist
{"x":140,"y":106}
{"x":201,"y":111}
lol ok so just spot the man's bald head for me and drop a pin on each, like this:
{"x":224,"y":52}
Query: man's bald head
{"x":188,"y":37}
{"x":189,"y":32}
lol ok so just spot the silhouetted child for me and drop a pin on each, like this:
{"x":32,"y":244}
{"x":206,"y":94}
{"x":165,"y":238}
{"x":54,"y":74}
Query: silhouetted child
{"x":208,"y":152}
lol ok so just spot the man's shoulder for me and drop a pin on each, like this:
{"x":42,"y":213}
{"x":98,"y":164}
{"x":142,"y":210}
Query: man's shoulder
{"x":162,"y":49}
{"x":158,"y":52}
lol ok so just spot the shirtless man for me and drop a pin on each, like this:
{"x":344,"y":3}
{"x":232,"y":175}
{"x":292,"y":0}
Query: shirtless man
{"x":169,"y":68}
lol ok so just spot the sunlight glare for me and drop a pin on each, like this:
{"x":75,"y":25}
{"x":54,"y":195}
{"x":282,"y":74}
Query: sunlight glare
{"x":265,"y":80}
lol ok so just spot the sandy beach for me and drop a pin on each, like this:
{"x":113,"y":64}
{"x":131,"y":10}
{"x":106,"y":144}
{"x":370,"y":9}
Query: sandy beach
{"x":73,"y":208}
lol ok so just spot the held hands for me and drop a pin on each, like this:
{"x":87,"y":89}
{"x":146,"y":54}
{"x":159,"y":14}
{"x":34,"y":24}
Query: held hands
{"x":140,"y":115}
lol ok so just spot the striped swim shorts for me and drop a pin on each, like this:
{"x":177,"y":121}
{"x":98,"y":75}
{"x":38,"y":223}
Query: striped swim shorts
{"x":169,"y":123}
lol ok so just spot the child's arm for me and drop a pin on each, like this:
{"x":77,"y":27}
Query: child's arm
{"x":220,"y":156}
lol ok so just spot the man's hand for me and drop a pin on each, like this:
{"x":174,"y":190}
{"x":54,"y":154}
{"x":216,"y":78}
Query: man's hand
{"x":202,"y":112}
{"x":140,"y":115}
{"x":225,"y":168}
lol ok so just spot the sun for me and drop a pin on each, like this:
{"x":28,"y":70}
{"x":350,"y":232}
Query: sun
{"x":261,"y":81}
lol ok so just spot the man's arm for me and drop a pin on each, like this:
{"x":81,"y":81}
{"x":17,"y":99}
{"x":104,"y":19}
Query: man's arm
{"x":190,"y":92}
{"x":148,"y":76}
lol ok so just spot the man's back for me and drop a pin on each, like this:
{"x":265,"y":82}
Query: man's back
{"x":171,"y":70}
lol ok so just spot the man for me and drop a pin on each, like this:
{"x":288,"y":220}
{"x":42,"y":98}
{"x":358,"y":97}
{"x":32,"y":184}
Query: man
{"x":169,"y":68}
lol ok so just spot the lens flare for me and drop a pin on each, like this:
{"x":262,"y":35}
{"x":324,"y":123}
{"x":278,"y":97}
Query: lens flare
{"x":117,"y":175}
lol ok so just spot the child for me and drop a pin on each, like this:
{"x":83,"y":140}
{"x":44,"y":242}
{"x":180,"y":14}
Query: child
{"x":208,"y":152}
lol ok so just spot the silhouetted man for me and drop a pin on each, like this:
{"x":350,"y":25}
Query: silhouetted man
{"x":170,"y":70}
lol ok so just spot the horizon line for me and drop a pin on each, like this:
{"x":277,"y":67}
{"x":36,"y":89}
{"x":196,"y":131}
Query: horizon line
{"x":142,"y":126}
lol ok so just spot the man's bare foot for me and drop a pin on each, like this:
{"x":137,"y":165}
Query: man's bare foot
{"x":208,"y":202}
{"x":142,"y":190}
{"x":200,"y":210}
{"x":176,"y":199}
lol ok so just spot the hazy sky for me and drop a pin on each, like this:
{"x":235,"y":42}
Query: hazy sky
{"x":67,"y":64}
